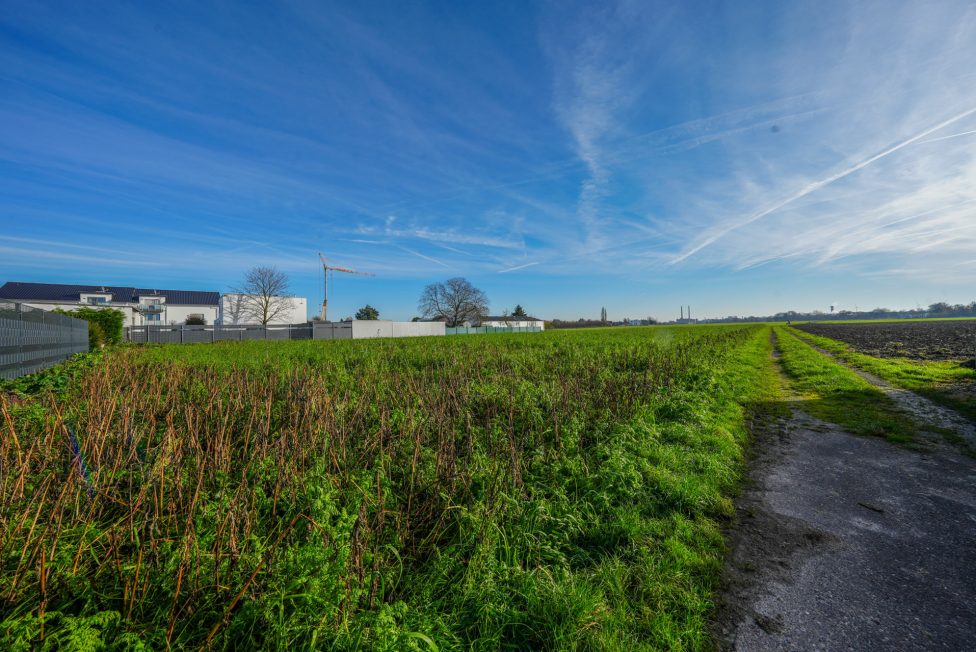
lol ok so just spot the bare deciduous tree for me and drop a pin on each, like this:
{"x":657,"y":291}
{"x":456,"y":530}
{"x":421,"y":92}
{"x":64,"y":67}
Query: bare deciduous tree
{"x":455,"y":300}
{"x":265,"y":294}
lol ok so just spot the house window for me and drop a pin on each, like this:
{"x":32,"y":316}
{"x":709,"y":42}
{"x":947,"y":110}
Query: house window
{"x":152,"y":317}
{"x":94,"y":301}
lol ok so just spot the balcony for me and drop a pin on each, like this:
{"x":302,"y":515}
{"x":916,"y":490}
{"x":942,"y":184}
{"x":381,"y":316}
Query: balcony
{"x":151,"y":308}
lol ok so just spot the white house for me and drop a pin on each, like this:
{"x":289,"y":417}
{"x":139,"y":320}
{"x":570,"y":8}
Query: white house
{"x":508,"y":321}
{"x":140,"y":306}
{"x":236,"y":309}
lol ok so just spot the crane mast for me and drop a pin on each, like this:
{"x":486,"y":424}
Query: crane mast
{"x":326,"y":268}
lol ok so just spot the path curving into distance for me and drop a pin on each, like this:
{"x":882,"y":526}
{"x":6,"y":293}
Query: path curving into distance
{"x":850,"y":543}
{"x":922,"y":409}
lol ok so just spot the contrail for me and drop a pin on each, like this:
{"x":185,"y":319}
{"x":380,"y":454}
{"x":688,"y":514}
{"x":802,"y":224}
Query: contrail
{"x":817,"y":185}
{"x":420,"y":255}
{"x":932,"y":140}
{"x":512,"y":269}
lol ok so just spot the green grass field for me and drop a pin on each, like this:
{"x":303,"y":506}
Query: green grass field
{"x":550,"y":491}
{"x":555,"y":491}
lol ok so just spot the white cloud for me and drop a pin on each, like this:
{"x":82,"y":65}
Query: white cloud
{"x":724,"y":229}
{"x":876,"y":180}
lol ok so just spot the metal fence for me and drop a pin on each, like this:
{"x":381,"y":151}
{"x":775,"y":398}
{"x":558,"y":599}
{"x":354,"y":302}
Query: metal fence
{"x":183,"y":334}
{"x":471,"y":330}
{"x":345,"y":330}
{"x":33,"y":339}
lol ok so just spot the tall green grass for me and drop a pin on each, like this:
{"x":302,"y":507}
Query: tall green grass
{"x":549,"y":491}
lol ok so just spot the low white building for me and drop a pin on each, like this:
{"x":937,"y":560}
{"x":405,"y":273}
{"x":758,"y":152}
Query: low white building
{"x":238,"y":309}
{"x":508,"y":321}
{"x":141,"y":306}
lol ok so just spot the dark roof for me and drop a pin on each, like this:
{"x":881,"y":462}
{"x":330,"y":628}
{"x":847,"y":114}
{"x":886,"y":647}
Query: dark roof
{"x":72,"y":293}
{"x":510,"y":318}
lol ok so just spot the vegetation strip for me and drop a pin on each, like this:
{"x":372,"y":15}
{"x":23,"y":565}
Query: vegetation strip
{"x":830,"y":391}
{"x":560,"y":491}
{"x":945,"y":382}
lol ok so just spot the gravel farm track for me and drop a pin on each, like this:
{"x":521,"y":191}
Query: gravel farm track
{"x":847,"y":542}
{"x":920,"y":340}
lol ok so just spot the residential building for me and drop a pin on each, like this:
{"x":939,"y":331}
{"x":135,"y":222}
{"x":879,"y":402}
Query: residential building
{"x":237,"y":309}
{"x":508,"y":321}
{"x":140,"y":306}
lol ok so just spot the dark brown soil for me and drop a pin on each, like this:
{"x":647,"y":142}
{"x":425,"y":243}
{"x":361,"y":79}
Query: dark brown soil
{"x":923,"y":340}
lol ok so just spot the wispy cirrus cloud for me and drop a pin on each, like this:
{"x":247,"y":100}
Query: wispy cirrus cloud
{"x":876,"y":179}
{"x":627,"y":142}
{"x":723,"y":230}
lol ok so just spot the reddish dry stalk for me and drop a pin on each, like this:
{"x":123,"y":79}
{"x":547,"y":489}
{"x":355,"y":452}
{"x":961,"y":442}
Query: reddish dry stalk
{"x":27,"y":540}
{"x":172,"y":610}
{"x":216,"y":628}
{"x":10,"y":428}
{"x":135,"y":584}
{"x":43,"y":595}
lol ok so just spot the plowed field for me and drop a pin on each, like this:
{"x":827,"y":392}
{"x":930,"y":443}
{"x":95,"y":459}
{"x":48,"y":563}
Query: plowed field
{"x":921,"y":340}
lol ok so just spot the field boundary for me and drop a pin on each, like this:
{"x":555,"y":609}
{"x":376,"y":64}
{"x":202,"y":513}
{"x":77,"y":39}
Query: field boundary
{"x":919,"y":407}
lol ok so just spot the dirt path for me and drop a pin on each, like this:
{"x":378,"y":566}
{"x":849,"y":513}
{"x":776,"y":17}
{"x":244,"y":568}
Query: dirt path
{"x":923,"y":409}
{"x":850,"y":543}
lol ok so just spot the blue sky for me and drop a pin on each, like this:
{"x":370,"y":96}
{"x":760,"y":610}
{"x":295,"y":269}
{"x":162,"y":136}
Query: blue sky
{"x":743,"y":158}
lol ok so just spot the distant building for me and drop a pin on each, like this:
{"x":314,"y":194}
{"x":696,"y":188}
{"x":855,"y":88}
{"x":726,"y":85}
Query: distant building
{"x":507,"y":321}
{"x":685,"y":320}
{"x":141,"y":306}
{"x":235,"y":309}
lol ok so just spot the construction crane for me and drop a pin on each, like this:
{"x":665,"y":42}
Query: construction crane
{"x":326,"y":268}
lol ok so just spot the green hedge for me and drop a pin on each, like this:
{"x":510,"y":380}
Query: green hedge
{"x":104,"y":324}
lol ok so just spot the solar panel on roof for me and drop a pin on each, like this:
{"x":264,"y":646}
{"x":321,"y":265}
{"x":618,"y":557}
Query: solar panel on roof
{"x":67,"y":292}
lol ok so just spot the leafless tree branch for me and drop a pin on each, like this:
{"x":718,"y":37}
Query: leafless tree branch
{"x":455,"y":300}
{"x":265,"y":295}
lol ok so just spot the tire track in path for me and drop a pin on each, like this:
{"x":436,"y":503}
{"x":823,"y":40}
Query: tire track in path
{"x":924,"y":410}
{"x":850,"y":543}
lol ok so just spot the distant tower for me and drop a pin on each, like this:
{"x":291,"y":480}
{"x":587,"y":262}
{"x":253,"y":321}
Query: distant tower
{"x":603,"y":315}
{"x":689,"y":313}
{"x":682,"y":313}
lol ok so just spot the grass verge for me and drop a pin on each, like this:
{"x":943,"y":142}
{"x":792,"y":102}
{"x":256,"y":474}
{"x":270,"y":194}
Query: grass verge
{"x":830,"y":391}
{"x":946,"y":383}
